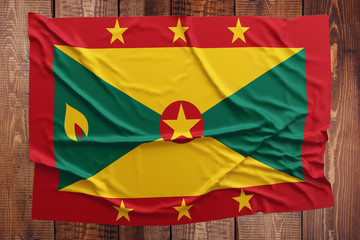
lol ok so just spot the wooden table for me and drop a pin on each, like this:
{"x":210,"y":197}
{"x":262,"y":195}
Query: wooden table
{"x":342,"y":163}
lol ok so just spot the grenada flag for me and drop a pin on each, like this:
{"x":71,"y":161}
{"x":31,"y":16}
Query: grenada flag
{"x":173,"y":120}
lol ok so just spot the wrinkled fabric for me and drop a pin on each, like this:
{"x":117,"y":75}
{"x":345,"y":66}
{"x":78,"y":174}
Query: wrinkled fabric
{"x":250,"y":114}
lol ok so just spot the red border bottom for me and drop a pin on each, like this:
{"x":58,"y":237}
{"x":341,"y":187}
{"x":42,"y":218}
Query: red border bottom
{"x":51,"y":204}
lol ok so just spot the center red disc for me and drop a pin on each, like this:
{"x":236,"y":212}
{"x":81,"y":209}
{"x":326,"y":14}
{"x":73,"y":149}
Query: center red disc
{"x":181,"y":122}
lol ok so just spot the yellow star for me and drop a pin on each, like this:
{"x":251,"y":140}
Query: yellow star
{"x":181,"y":125}
{"x":123,"y":212}
{"x":117,"y":32}
{"x":179,"y":31}
{"x":183,"y":210}
{"x":238,"y":31}
{"x":243,"y":200}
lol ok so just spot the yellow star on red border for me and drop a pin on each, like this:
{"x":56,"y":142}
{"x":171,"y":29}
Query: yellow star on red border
{"x":243,"y":200}
{"x":117,"y":32}
{"x":179,"y":31}
{"x":183,"y":210}
{"x":123,"y":212}
{"x":238,"y":31}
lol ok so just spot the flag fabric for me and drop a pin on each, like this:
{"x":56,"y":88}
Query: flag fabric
{"x":173,"y":120}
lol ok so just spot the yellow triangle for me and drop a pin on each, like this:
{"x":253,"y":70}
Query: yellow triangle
{"x":157,"y":77}
{"x":166,"y":169}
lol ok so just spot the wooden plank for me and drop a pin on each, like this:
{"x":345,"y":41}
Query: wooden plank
{"x":203,"y":7}
{"x":135,"y":8}
{"x":67,"y":230}
{"x":276,"y":225}
{"x":146,"y":233}
{"x":157,"y":8}
{"x":275,"y":8}
{"x":132,"y":8}
{"x":82,"y":8}
{"x":341,"y":157}
{"x":218,"y":229}
{"x":269,"y":226}
{"x":225,"y":228}
{"x":16,"y":177}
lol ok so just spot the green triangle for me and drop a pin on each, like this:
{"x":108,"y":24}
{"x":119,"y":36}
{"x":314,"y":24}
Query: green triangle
{"x":265,"y":119}
{"x":117,"y":122}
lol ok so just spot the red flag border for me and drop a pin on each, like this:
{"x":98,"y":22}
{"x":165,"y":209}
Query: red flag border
{"x":310,"y":32}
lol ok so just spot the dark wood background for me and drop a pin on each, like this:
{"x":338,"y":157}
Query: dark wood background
{"x":342,"y":163}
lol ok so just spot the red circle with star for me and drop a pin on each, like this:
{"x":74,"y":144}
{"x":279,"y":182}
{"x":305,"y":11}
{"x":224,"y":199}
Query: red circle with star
{"x":181,"y":122}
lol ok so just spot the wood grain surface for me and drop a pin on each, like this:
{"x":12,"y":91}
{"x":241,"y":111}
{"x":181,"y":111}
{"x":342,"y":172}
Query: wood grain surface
{"x":341,"y":164}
